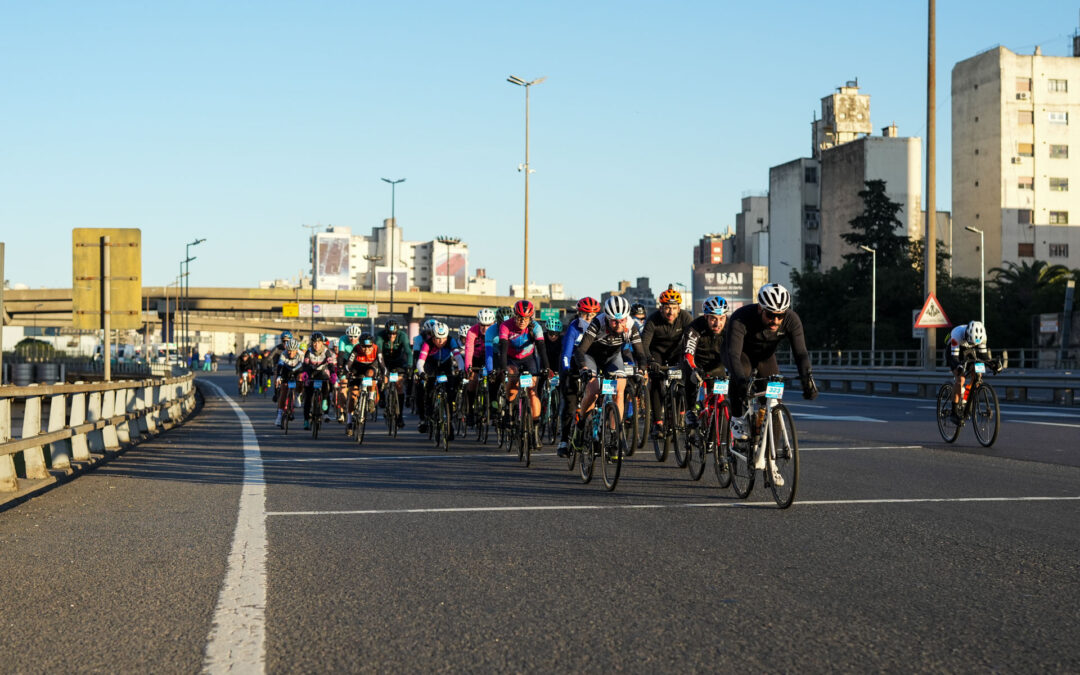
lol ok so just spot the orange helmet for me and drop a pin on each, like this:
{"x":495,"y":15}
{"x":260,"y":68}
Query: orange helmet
{"x":524,"y":309}
{"x":588,"y":305}
{"x":671,"y":297}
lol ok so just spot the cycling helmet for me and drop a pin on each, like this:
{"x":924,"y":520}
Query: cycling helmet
{"x":524,"y":309}
{"x":391,"y":326}
{"x":463,"y":330}
{"x":441,"y":330}
{"x":428,"y":327}
{"x":366,"y":340}
{"x":637,"y":310}
{"x":588,"y":305}
{"x":553,"y":325}
{"x":353,"y":331}
{"x":774,"y":298}
{"x":671,"y":297}
{"x":286,"y":335}
{"x":715,"y":305}
{"x":292,"y":345}
{"x":318,"y":337}
{"x":617,"y":307}
{"x":504,"y":313}
{"x":976,"y":332}
{"x":486,"y":317}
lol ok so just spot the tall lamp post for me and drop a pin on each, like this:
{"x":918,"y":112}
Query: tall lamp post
{"x":314,"y":271}
{"x":393,"y":237}
{"x":187,"y":283}
{"x":449,"y":241}
{"x":373,"y":260}
{"x":873,"y":303}
{"x":982,"y":272}
{"x":513,"y":79}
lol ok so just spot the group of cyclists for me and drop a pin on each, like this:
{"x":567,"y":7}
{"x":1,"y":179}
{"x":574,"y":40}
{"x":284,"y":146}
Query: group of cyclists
{"x":619,"y":339}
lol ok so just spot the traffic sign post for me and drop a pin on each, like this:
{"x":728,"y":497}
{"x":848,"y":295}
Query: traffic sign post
{"x":549,"y":313}
{"x":106,"y":289}
{"x":932,"y":315}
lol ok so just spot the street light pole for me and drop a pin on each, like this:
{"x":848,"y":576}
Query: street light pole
{"x":393,"y":237}
{"x":373,"y":260}
{"x":982,"y":272}
{"x":449,"y":241}
{"x":873,"y":303}
{"x":187,"y":284}
{"x":513,"y":79}
{"x":314,"y":270}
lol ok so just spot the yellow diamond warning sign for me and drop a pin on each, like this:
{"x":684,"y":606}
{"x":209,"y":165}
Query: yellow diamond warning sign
{"x":932,"y":315}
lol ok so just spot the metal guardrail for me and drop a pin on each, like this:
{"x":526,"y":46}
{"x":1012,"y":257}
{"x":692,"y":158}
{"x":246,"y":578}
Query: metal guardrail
{"x":103,"y":417}
{"x":1026,"y":358}
{"x":1057,"y":388}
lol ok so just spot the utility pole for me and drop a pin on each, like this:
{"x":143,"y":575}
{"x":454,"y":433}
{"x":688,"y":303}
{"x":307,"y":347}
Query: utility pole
{"x":931,"y":178}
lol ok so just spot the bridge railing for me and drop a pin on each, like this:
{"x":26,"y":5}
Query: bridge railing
{"x":84,"y":422}
{"x":1023,"y":358}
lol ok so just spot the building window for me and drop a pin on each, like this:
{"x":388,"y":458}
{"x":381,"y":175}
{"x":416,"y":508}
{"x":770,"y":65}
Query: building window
{"x":811,"y":217}
{"x":1059,"y":250}
{"x":812,"y":254}
{"x":1057,"y":85}
{"x":1059,"y":152}
{"x":1025,"y":216}
{"x":1025,"y":149}
{"x":1025,"y":250}
{"x":1059,"y":117}
{"x":1025,"y":117}
{"x":1026,"y":183}
{"x":1023,"y":84}
{"x":1059,"y":217}
{"x":1059,"y":184}
{"x":810,"y":174}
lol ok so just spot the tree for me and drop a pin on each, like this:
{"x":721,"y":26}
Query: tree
{"x":876,"y":228}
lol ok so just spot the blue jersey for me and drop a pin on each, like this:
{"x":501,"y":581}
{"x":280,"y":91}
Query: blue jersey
{"x":491,"y":338}
{"x":571,"y":339}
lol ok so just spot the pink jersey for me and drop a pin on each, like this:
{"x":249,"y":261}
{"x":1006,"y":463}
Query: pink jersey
{"x":474,"y":344}
{"x":520,"y":341}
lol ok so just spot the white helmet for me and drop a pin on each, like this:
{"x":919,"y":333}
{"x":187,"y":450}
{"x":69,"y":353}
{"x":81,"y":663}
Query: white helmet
{"x":976,"y":332}
{"x":463,"y":330}
{"x":441,"y":330}
{"x":486,"y":317}
{"x":428,"y":327}
{"x":774,"y":298}
{"x":353,"y":331}
{"x":617,"y":307}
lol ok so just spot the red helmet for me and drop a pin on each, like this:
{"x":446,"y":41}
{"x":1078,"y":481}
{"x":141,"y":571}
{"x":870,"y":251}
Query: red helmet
{"x":588,"y":305}
{"x":524,"y":309}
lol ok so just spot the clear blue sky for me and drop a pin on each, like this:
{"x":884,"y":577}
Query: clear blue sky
{"x":241,"y":121}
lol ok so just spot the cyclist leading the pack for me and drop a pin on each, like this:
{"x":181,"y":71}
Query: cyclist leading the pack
{"x":663,"y":340}
{"x":965,"y":343}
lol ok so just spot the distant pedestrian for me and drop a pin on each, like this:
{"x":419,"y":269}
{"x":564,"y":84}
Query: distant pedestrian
{"x":213,"y":361}
{"x":206,"y":361}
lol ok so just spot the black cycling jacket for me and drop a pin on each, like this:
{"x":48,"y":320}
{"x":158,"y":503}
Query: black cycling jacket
{"x":663,"y":341}
{"x":602,"y":344}
{"x":745,"y":334}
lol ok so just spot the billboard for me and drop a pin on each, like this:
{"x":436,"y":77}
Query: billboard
{"x":125,"y":277}
{"x":400,"y":277}
{"x":332,"y":261}
{"x":734,"y":282}
{"x":452,"y":267}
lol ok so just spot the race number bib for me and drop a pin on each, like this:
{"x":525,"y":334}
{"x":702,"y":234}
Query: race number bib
{"x":440,"y":378}
{"x":980,"y":367}
{"x":292,"y":384}
{"x":774,"y":390}
{"x":526,"y":380}
{"x":607,"y":387}
{"x":393,"y":377}
{"x":317,"y":384}
{"x":720,"y":387}
{"x":674,"y":374}
{"x":366,"y":381}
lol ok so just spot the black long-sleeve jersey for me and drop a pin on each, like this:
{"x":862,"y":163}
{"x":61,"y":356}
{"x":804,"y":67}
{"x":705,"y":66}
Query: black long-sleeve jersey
{"x":704,"y":348}
{"x":746,"y":334}
{"x":601,"y":344}
{"x":663,"y":341}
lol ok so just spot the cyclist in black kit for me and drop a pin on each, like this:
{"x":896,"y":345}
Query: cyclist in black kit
{"x":704,"y":350}
{"x":662,"y":339}
{"x":750,"y":343}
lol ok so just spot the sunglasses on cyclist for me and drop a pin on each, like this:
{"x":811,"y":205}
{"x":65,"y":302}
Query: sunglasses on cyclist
{"x":775,"y":317}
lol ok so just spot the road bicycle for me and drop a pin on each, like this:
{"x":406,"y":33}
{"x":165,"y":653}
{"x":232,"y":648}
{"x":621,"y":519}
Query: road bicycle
{"x":636,"y":413}
{"x":317,"y":394}
{"x":461,"y":409}
{"x":550,"y":408}
{"x":522,"y":430}
{"x":978,"y":401}
{"x":289,"y":404}
{"x":481,"y":409}
{"x":245,"y":385}
{"x":603,"y":436}
{"x":673,"y":413}
{"x":390,"y":396}
{"x":773,"y":447}
{"x":704,"y":439}
{"x":365,"y":408}
{"x":440,"y":422}
{"x":502,"y":417}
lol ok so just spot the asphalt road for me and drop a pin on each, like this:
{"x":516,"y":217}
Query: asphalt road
{"x":902,"y":553}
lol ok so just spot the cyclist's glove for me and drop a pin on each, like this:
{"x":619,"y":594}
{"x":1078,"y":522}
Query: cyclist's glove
{"x":696,"y":377}
{"x":586,"y":375}
{"x":809,"y":388}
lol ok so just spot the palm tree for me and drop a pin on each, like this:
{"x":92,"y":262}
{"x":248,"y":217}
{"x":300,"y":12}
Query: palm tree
{"x":1031,"y":277}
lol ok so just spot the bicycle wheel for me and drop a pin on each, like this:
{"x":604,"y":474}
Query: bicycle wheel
{"x":461,"y":413}
{"x":740,"y":456}
{"x":612,"y":447}
{"x":517,"y":427}
{"x":442,"y":411}
{"x":784,"y":456}
{"x":985,"y":415}
{"x":641,"y":407}
{"x":588,"y":448}
{"x":316,"y":413}
{"x":243,"y":390}
{"x":722,"y":441}
{"x":360,"y":419}
{"x":286,"y":412}
{"x":949,"y":429}
{"x":390,"y":414}
{"x":661,"y":445}
{"x":697,"y":450}
{"x":528,"y":434}
{"x":554,"y":416}
{"x":631,"y":415}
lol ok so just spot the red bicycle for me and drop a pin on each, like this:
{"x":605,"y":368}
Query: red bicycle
{"x":714,"y":420}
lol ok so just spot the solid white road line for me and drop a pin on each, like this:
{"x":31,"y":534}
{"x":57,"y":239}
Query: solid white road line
{"x":237,"y":641}
{"x":1049,"y":424}
{"x":628,"y":507}
{"x":833,"y":418}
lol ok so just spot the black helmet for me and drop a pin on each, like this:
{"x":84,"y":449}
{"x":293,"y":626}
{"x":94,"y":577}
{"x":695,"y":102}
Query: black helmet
{"x":391,"y":326}
{"x":366,"y":340}
{"x":637,"y":310}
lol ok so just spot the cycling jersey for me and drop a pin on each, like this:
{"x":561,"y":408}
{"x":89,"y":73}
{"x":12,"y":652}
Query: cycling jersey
{"x":958,"y":348}
{"x":749,"y":344}
{"x":322,"y":365}
{"x":603,"y":345}
{"x":553,"y":343}
{"x":704,"y":348}
{"x":344,"y":346}
{"x":475,"y":346}
{"x":663,"y":341}
{"x":571,"y":339}
{"x":491,"y":342}
{"x":288,"y":366}
{"x":450,"y":352}
{"x":519,"y":344}
{"x":397,"y":354}
{"x":357,"y":364}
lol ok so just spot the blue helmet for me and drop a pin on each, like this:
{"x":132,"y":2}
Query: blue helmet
{"x":715,"y":305}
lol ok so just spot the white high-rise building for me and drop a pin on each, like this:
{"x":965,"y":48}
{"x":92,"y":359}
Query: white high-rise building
{"x":1015,"y":167}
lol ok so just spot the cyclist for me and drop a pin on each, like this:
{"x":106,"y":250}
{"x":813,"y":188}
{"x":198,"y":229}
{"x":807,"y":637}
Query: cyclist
{"x":518,"y":338}
{"x":275,"y":355}
{"x":245,"y":363}
{"x":397,"y":357}
{"x":475,"y":353}
{"x":553,"y":339}
{"x":266,"y":370}
{"x":753,"y":333}
{"x":587,"y":309}
{"x":345,"y":345}
{"x":364,"y":360}
{"x":637,"y":313}
{"x":287,"y":367}
{"x":704,"y":350}
{"x":491,"y":341}
{"x":601,"y":349}
{"x":440,"y":356}
{"x":663,"y":340}
{"x":462,"y":331}
{"x":319,"y":364}
{"x":966,"y":342}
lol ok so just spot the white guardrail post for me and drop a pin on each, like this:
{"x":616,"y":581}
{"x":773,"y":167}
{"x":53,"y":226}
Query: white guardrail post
{"x":34,"y":458}
{"x":80,"y":451}
{"x":8,"y":483}
{"x":60,"y":451}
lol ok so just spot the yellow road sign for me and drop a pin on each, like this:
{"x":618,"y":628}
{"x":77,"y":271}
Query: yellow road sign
{"x":125,"y":277}
{"x":290,"y":310}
